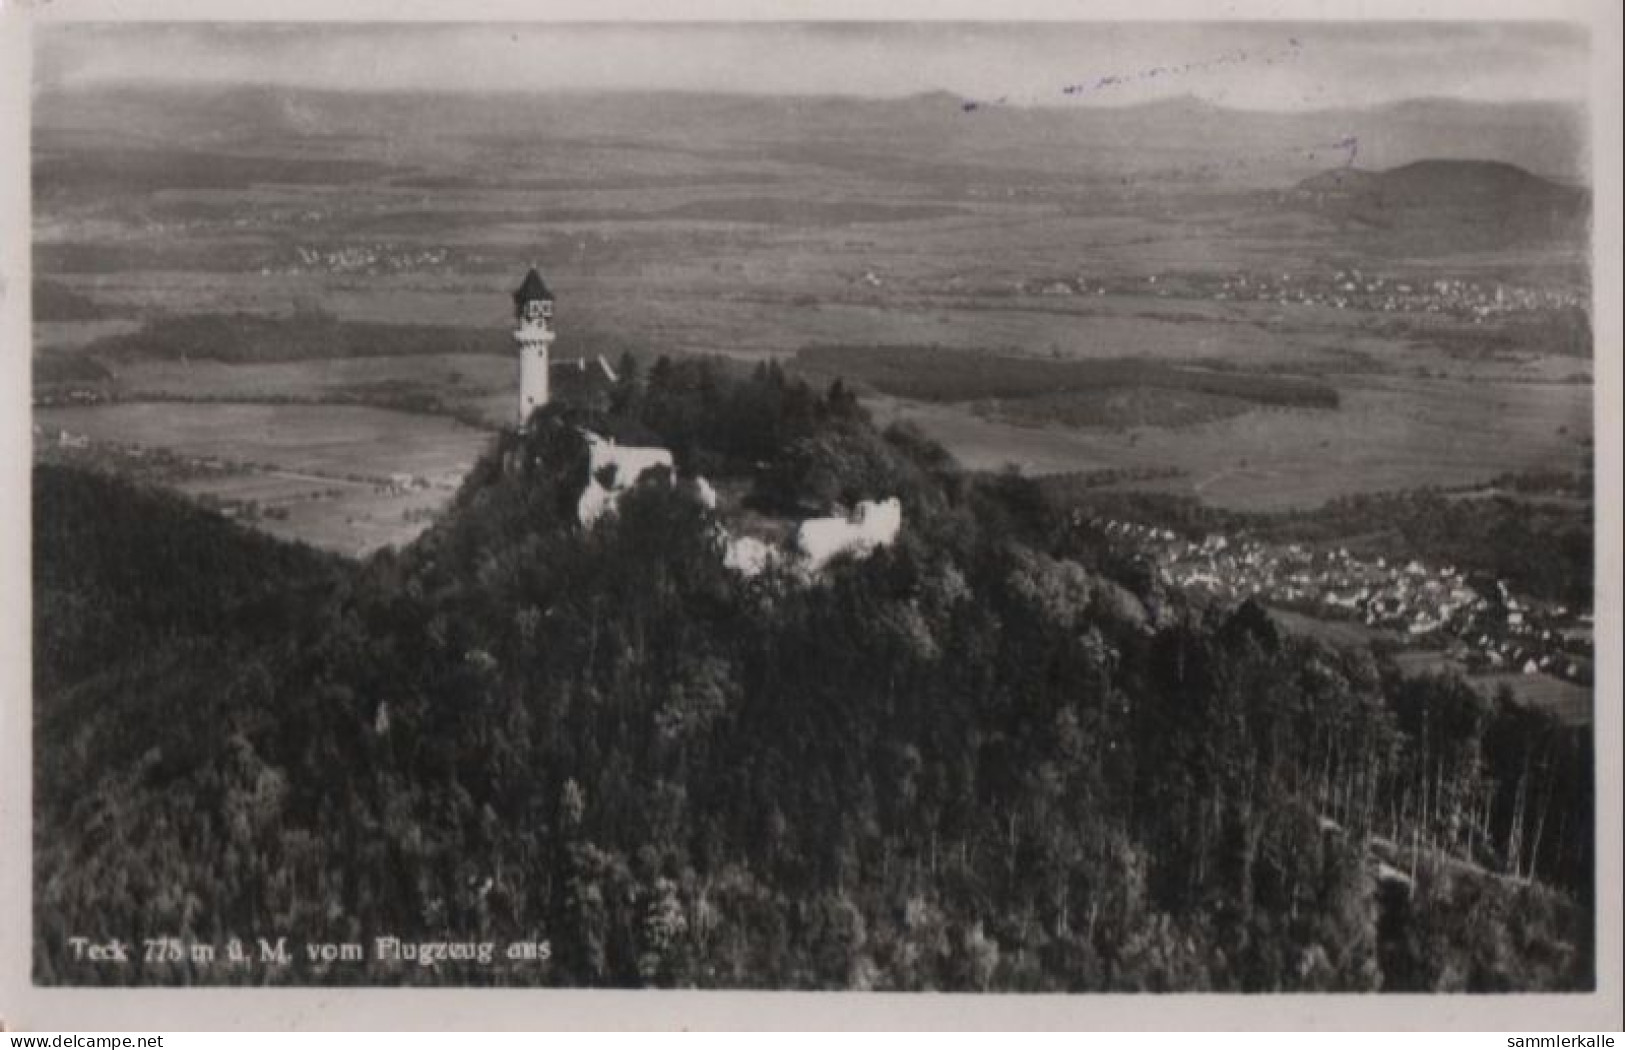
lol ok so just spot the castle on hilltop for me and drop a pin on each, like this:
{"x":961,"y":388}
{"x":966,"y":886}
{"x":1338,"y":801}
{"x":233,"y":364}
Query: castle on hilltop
{"x":614,"y":468}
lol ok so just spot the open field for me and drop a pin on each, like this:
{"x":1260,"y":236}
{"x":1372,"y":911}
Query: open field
{"x":467,"y":386}
{"x":1386,"y":434}
{"x":349,"y":479}
{"x":1569,"y":701}
{"x":923,"y":373}
{"x":318,"y":439}
{"x":369,"y":245}
{"x":1343,"y":633}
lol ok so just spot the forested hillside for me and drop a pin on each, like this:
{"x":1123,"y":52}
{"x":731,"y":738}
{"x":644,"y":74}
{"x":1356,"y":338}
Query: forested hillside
{"x":990,"y":757}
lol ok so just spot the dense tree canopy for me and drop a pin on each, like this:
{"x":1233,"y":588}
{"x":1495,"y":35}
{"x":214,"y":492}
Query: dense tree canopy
{"x":983,"y":758}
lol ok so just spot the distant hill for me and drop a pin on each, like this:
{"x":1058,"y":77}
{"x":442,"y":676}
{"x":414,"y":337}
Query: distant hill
{"x":1548,"y":139}
{"x":1478,"y":202}
{"x":1433,"y":182}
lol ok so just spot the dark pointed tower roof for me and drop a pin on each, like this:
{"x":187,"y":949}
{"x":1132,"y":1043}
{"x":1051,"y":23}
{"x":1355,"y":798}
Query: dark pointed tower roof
{"x":531,"y":289}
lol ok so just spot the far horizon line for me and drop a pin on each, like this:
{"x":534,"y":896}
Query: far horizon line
{"x":971,"y":105}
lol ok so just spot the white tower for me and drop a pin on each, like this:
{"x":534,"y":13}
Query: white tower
{"x":533,"y":308}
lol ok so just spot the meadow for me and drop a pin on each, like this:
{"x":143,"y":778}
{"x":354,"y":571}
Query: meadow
{"x":1386,"y":434}
{"x":1570,"y":702}
{"x":1348,"y":634}
{"x":923,"y":373}
{"x":325,"y":474}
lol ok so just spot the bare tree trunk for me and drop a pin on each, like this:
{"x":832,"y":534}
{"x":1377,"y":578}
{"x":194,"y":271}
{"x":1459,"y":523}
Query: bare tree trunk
{"x":1010,"y":848}
{"x":1328,"y":793}
{"x":1540,"y":828}
{"x":1201,"y":846}
{"x":1515,"y":828}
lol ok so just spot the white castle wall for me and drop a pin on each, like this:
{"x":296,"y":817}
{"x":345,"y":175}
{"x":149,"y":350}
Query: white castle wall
{"x":630,"y":463}
{"x":748,"y":555}
{"x":873,"y":523}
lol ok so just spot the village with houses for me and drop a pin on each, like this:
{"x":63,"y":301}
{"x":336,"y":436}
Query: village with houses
{"x":1338,"y":289}
{"x":1467,"y":619}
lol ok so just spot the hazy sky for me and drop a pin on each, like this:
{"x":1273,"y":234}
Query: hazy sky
{"x":1265,"y":66}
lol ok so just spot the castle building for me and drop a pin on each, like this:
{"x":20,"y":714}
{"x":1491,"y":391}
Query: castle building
{"x":533,"y":310}
{"x":872,"y":524}
{"x":613,"y":468}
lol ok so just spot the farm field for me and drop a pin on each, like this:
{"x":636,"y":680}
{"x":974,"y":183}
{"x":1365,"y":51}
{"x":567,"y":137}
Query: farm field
{"x":469,"y":386}
{"x":369,"y":245}
{"x":1385,"y":434}
{"x":1569,"y":701}
{"x":317,"y":439}
{"x":1344,"y":633}
{"x":328,"y":475}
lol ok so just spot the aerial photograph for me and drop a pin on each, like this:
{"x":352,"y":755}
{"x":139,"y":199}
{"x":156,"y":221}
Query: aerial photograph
{"x":1085,"y":507}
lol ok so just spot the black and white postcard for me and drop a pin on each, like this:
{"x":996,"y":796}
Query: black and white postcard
{"x":990,"y":505}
